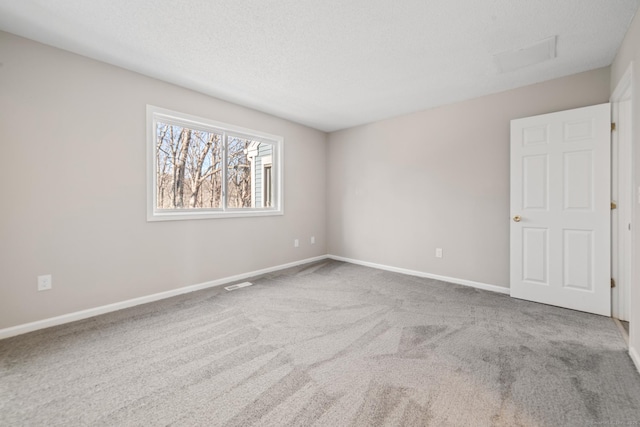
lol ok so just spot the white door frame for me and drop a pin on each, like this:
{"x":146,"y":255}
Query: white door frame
{"x":622,"y":194}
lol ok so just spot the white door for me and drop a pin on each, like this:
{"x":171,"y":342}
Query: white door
{"x":560,"y":209}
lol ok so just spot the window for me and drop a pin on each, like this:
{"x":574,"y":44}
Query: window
{"x":198,"y":168}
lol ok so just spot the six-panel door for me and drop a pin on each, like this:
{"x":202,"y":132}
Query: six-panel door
{"x":560,"y":209}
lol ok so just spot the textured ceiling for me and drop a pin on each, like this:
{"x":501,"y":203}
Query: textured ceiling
{"x":329,"y":64}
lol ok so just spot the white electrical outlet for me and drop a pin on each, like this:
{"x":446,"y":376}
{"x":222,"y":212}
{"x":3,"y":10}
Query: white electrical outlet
{"x":438,"y":252}
{"x":296,"y":243}
{"x":45,"y":282}
{"x":313,"y":240}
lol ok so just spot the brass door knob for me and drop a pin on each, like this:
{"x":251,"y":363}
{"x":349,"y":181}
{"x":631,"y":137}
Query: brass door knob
{"x":517,"y":218}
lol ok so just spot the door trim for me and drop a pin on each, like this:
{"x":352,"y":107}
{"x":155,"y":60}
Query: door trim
{"x":622,"y":194}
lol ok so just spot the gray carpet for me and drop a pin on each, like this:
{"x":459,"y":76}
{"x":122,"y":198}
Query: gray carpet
{"x":327,"y":344}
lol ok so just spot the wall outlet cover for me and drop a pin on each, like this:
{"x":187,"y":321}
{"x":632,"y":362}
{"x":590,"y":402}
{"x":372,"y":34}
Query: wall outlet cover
{"x":45,"y":282}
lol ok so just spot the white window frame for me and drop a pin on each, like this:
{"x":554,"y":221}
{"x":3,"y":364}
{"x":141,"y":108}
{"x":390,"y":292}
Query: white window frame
{"x":156,"y":114}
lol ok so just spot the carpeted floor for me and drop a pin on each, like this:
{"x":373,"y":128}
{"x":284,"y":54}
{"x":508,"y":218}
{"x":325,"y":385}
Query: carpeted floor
{"x":327,"y":344}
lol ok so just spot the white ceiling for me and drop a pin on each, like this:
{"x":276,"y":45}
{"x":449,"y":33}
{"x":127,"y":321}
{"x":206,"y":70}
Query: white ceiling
{"x":329,"y":64}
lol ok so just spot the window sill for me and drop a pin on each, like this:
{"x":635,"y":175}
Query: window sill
{"x":182,"y":216}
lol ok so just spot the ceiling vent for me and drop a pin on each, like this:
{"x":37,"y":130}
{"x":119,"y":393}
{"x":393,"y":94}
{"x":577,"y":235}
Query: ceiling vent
{"x":512,"y":60}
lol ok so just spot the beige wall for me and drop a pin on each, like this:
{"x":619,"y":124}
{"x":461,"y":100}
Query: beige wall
{"x":630,"y":51}
{"x":399,"y":188}
{"x":72,"y":179}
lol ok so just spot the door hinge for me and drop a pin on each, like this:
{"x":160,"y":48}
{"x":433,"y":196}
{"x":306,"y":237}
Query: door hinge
{"x":614,"y":205}
{"x":613,"y":127}
{"x":613,"y":283}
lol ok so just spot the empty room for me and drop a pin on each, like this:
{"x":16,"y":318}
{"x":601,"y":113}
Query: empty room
{"x":320,"y":213}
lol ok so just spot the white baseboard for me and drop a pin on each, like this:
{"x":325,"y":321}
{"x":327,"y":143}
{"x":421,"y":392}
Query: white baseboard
{"x":484,"y":286}
{"x":91,"y":312}
{"x":96,"y":311}
{"x":635,"y":357}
